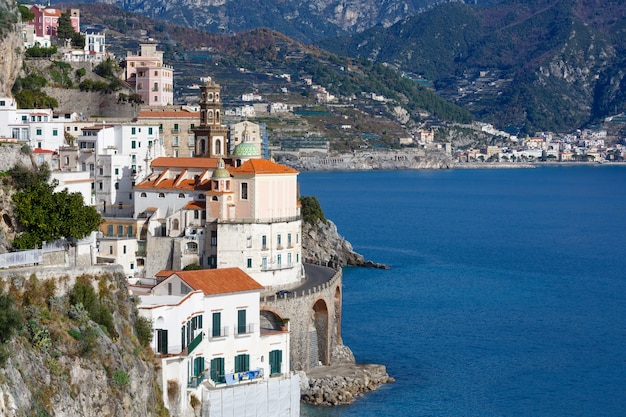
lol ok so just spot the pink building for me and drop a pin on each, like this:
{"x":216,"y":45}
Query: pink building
{"x":46,"y":20}
{"x":152,"y":80}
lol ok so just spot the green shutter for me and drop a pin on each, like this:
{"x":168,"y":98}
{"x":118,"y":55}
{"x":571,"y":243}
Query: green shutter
{"x":217,"y":325}
{"x":276,"y":359}
{"x":241,"y":321}
{"x":217,"y":370}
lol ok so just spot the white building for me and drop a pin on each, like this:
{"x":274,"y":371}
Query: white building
{"x":214,"y":343}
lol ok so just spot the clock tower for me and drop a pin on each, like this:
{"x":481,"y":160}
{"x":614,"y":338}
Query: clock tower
{"x":211,"y":135}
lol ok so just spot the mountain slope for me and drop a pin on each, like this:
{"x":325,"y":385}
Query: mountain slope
{"x":306,"y":21}
{"x":545,"y":64}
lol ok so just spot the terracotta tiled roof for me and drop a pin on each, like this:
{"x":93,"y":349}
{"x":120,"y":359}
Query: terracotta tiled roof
{"x":164,"y":273}
{"x":195,"y":205}
{"x":184,"y":162}
{"x":262,"y":166}
{"x":219,"y":281}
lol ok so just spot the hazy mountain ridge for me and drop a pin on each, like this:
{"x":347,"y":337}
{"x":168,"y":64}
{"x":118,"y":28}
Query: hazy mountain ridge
{"x":557,"y":63}
{"x":307,"y":21}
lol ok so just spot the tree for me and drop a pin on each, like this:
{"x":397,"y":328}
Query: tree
{"x":45,"y":215}
{"x":64,"y":28}
{"x":78,"y":40}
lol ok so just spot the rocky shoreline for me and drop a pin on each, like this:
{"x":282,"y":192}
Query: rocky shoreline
{"x":341,"y":384}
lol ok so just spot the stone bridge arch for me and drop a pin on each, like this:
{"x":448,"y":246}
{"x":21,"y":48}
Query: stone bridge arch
{"x":319,"y":332}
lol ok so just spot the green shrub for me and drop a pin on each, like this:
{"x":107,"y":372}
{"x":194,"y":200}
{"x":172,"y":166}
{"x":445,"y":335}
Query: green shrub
{"x":10,"y":318}
{"x":76,"y":334}
{"x":143,"y":327}
{"x":120,"y":378}
{"x":311,"y":210}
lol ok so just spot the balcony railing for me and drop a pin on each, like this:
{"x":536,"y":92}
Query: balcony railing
{"x":195,"y":381}
{"x":245,"y":329}
{"x":220,"y":332}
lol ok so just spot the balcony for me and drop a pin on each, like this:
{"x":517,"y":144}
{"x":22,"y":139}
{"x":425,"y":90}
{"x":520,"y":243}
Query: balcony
{"x":220,"y":332}
{"x":175,"y":130}
{"x":195,"y":381}
{"x":245,"y":329}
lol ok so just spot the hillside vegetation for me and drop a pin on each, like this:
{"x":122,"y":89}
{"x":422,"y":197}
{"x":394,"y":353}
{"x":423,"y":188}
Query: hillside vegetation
{"x":537,"y":65}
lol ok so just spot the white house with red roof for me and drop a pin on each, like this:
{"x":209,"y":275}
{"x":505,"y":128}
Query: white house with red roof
{"x":213,"y":343}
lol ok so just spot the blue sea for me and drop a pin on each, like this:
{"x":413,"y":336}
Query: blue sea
{"x":506,"y":294}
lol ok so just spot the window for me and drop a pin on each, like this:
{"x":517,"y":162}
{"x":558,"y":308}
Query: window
{"x":279,"y":260}
{"x":101,"y":170}
{"x":175,"y":127}
{"x":175,"y":141}
{"x":216,"y":330}
{"x":249,"y":242}
{"x":117,"y":171}
{"x":133,"y":144}
{"x":217,"y":370}
{"x":100,"y":185}
{"x":110,"y":250}
{"x":263,"y":242}
{"x":288,"y":240}
{"x":213,"y":238}
{"x":264,"y":263}
{"x":289,"y":259}
{"x":279,"y":240}
{"x":276,"y":360}
{"x":192,"y":247}
{"x":241,"y":321}
{"x":192,"y":141}
{"x":181,"y":195}
{"x":162,"y":342}
{"x":242,"y":363}
{"x":198,"y":366}
{"x":55,"y":132}
{"x":124,"y":249}
{"x":130,"y":231}
{"x":175,"y":224}
{"x":149,"y":130}
{"x":117,"y":185}
{"x":161,"y":195}
{"x":133,"y":130}
{"x":196,"y":214}
{"x":244,"y":190}
{"x":110,"y":230}
{"x":38,"y":132}
{"x":120,"y":230}
{"x":249,"y":262}
{"x":143,"y":195}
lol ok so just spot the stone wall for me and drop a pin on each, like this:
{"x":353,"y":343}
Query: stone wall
{"x":314,"y":322}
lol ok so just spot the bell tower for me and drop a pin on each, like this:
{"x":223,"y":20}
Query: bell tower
{"x":211,"y":135}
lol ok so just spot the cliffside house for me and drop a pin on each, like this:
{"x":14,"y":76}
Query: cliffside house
{"x":213,"y":342}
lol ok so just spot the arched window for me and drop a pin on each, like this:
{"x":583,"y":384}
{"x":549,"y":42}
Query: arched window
{"x":214,"y":198}
{"x":161,"y":195}
{"x":181,"y":195}
{"x":143,"y":195}
{"x":218,"y":147}
{"x":192,"y":247}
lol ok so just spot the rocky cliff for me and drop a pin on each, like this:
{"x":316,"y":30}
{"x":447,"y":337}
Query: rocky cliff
{"x":61,"y":363}
{"x":11,"y":46}
{"x":323,"y":245}
{"x":302,"y":20}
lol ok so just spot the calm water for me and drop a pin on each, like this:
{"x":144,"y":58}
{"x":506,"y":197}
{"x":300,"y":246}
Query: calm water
{"x":507,"y":293}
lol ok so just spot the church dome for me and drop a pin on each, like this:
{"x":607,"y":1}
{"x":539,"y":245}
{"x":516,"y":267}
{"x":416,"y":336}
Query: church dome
{"x":246,"y":149}
{"x":221,"y":171}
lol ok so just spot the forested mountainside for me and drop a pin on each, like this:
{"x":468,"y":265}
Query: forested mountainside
{"x":532,"y":65}
{"x":305,"y":21}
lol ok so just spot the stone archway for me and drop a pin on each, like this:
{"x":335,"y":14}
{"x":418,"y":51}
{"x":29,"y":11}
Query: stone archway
{"x":319,"y":349}
{"x":338,"y":311}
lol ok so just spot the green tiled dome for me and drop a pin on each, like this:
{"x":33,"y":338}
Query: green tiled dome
{"x":220,"y":171}
{"x":246,"y":149}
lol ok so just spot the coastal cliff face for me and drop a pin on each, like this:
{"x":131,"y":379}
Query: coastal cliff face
{"x":61,"y":363}
{"x":322,"y":245}
{"x":11,"y":46}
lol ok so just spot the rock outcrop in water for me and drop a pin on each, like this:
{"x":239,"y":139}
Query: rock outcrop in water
{"x":323,"y":245}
